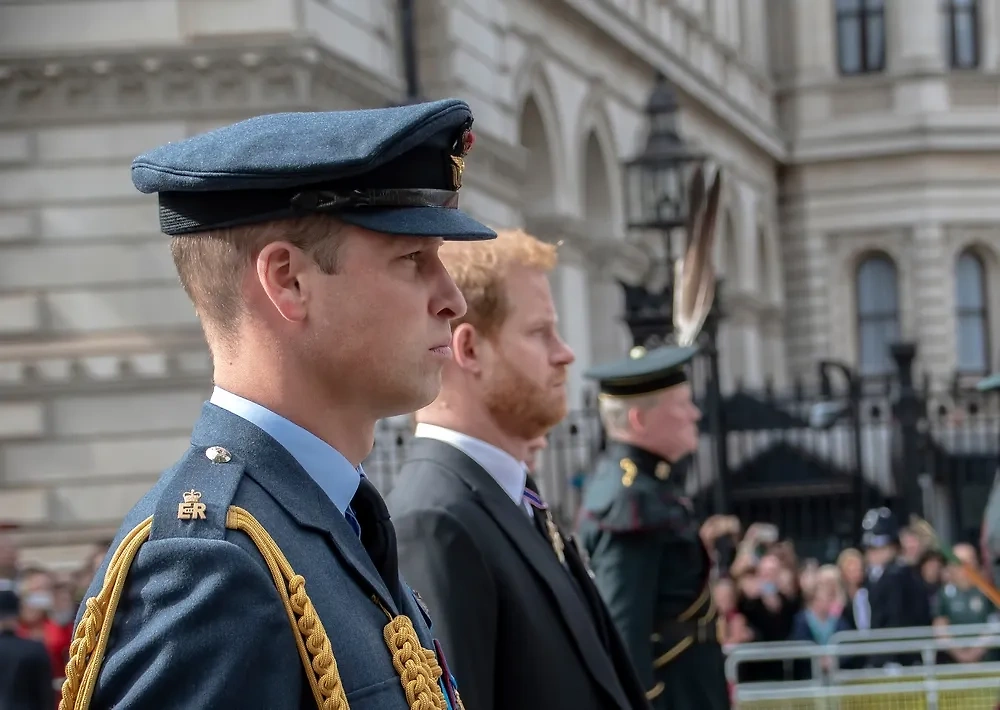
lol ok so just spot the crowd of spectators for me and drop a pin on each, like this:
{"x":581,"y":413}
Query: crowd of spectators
{"x":768,"y":594}
{"x":45,"y":606}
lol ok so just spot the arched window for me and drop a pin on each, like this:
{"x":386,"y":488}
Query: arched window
{"x":972,"y":354}
{"x":878,"y":313}
{"x":860,"y":36}
{"x":961,"y":33}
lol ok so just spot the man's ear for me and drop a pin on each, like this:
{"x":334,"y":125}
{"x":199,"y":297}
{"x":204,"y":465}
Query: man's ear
{"x":466,"y":348}
{"x":280,"y":269}
{"x":637,"y":419}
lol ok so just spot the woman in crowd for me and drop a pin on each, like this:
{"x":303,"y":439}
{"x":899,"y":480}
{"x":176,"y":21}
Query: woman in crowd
{"x":821,"y":618}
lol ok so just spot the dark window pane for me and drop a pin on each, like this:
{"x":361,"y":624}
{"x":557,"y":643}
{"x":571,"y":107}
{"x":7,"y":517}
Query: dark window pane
{"x":875,"y":337}
{"x":965,"y":54}
{"x":875,"y":42}
{"x":849,"y":41}
{"x":969,"y":282}
{"x":878,"y":314}
{"x":972,"y":343}
{"x":848,"y":6}
{"x":877,"y":287}
{"x":972,"y":346}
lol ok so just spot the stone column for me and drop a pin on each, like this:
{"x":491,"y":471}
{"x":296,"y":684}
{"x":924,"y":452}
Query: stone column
{"x":914,"y":36}
{"x":814,"y":34}
{"x":989,"y":21}
{"x":916,"y":55}
{"x":570,"y":287}
{"x":933,"y":300}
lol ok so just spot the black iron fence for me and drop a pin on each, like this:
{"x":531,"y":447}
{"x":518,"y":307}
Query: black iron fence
{"x":810,"y":460}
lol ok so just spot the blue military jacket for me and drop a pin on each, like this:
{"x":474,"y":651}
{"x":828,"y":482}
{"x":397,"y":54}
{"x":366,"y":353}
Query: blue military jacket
{"x":200,"y":623}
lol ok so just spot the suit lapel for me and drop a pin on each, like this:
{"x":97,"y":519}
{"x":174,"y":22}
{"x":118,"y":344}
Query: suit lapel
{"x":276,"y":471}
{"x":535,"y":551}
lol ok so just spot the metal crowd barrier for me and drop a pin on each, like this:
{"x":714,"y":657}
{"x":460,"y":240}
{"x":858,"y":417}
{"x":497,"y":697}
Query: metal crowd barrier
{"x":923,"y":686}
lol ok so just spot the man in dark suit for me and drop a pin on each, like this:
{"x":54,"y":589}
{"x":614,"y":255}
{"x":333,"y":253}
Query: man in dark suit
{"x":261,"y":570}
{"x":25,"y":670}
{"x":513,"y":603}
{"x":651,"y":556}
{"x":894,"y":595}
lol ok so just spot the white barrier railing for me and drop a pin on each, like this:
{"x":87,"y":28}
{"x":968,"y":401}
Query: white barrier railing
{"x":923,"y":686}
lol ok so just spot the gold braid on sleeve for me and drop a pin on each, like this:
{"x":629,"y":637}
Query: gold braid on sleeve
{"x":91,"y":637}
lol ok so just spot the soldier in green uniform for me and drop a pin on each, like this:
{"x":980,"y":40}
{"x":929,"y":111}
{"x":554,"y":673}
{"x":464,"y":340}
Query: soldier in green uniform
{"x":649,"y":555}
{"x":960,"y":602}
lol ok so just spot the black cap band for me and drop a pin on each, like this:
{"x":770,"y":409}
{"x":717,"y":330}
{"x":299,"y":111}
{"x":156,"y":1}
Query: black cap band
{"x":189,"y":212}
{"x":643,"y":384}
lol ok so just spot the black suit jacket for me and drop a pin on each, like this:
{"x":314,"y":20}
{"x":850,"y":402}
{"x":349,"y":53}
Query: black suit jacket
{"x":25,"y":675}
{"x":519,"y":630}
{"x":898,"y":599}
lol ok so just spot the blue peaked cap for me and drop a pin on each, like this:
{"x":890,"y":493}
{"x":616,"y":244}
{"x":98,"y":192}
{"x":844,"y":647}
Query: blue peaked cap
{"x":393,"y":170}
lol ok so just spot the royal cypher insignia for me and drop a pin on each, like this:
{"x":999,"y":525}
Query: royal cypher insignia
{"x":192,"y":508}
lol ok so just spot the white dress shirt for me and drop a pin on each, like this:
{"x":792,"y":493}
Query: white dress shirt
{"x":509,"y":473}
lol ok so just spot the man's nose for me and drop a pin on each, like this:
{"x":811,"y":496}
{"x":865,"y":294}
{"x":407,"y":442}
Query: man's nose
{"x":448,"y":302}
{"x":564,"y":354}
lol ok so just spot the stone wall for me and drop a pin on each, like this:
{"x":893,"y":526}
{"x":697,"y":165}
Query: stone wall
{"x":102,"y":366}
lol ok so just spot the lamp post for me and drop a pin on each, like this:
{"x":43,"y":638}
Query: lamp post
{"x":827,"y":412}
{"x":907,"y":410}
{"x":657,"y":201}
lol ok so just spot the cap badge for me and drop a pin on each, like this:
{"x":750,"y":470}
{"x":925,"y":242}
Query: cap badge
{"x":637,"y":353}
{"x":462,"y":147}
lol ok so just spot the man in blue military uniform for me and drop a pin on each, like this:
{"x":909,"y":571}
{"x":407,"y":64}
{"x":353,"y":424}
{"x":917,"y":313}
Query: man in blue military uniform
{"x":649,"y":555}
{"x":261,"y":570}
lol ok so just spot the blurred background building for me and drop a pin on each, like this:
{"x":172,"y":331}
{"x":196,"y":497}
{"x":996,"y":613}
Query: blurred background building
{"x":859,"y":141}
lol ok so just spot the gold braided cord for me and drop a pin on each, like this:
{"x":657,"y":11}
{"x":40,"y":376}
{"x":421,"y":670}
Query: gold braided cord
{"x":417,"y":666}
{"x":91,"y":638}
{"x":313,"y":643}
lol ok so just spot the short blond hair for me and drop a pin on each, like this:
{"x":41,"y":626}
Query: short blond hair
{"x":479,"y":270}
{"x":614,"y":411}
{"x":849,"y":554}
{"x":211,"y":265}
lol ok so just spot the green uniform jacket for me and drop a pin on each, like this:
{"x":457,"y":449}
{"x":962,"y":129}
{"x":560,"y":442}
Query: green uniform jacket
{"x":653,"y":572}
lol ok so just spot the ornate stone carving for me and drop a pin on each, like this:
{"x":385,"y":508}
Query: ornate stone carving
{"x":226,"y":80}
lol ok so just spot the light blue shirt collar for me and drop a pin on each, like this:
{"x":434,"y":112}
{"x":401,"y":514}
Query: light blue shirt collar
{"x":324,"y":464}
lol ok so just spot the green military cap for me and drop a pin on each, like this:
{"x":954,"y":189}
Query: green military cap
{"x":989,"y":383}
{"x":643,"y":371}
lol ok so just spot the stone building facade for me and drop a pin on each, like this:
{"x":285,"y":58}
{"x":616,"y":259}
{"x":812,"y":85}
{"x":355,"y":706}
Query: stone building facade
{"x":103,"y":368}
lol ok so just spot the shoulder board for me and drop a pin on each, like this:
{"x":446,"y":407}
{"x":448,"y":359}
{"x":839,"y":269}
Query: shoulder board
{"x":618,"y":499}
{"x":194,"y":496}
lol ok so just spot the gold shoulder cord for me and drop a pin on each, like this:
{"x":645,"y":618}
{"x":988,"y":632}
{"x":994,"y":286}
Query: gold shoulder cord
{"x":417,"y":667}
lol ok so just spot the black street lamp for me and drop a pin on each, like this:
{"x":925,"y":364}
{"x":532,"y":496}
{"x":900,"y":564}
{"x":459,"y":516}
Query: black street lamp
{"x":827,"y":412}
{"x":908,"y":409}
{"x":656,"y":197}
{"x":656,"y":179}
{"x":657,"y":201}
